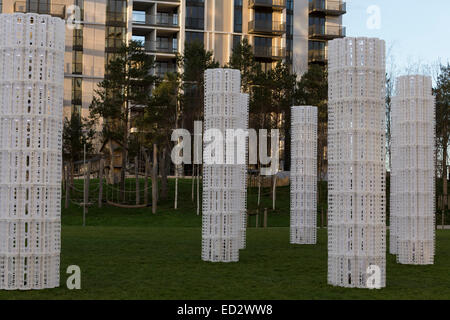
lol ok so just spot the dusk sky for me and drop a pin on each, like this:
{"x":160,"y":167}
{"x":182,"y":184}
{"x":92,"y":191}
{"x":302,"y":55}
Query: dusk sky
{"x":416,"y":32}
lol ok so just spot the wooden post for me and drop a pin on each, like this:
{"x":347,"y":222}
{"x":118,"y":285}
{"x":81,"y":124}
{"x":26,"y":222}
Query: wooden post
{"x":100,"y":183}
{"x":259,"y":189}
{"x":256,"y":221}
{"x":176,"y":188}
{"x":198,"y":190}
{"x":147,"y":170}
{"x":111,"y":164}
{"x":193,"y":180}
{"x":136,"y":173}
{"x":265,"y":218}
{"x":155,"y":179}
{"x":274,"y":192}
{"x":87,"y":176}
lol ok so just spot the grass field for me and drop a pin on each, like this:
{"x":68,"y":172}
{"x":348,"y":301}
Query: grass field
{"x":132,"y":254}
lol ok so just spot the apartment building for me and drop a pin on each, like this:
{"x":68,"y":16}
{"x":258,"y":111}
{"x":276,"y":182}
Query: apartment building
{"x":325,"y":24}
{"x":277,"y":30}
{"x":269,"y":25}
{"x":99,"y":29}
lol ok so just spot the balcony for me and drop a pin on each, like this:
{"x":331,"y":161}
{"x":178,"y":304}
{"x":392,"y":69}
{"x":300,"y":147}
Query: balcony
{"x":318,"y":56}
{"x":160,"y":19}
{"x":326,"y":32}
{"x":274,"y":4}
{"x":162,"y":70}
{"x":267,"y":27}
{"x":160,"y":47}
{"x":55,"y":10}
{"x":328,"y":7}
{"x":269,"y":52}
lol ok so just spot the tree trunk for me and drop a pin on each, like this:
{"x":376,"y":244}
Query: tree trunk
{"x":100,"y":182}
{"x":147,"y":170}
{"x":111,"y":163}
{"x":163,"y":170}
{"x":155,"y":179}
{"x":444,"y":182}
{"x":123,"y":175}
{"x":136,"y":175}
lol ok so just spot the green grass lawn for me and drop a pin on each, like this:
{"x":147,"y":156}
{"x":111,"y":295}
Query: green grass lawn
{"x":132,"y":254}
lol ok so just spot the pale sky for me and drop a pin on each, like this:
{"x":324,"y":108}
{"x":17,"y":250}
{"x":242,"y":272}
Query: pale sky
{"x":417,"y":32}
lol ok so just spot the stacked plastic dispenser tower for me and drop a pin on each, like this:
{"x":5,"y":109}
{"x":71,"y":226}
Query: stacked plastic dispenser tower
{"x":303,"y":175}
{"x":356,"y":162}
{"x":31,"y":92}
{"x":224,"y":168}
{"x":412,"y":177}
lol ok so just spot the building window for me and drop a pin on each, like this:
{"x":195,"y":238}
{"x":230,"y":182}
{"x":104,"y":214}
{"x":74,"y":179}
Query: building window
{"x":195,"y":14}
{"x":289,"y":24}
{"x":238,"y":16}
{"x":76,"y":91}
{"x":38,"y":6}
{"x":77,"y":62}
{"x":263,"y":16}
{"x":78,"y":39}
{"x":116,"y":11}
{"x":194,"y":37}
{"x":263,"y":42}
{"x":266,"y":66}
{"x":115,"y":37}
{"x":290,"y":5}
{"x":236,"y":41}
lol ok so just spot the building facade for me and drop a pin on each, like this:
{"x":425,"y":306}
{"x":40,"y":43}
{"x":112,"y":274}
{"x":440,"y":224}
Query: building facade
{"x":277,"y":30}
{"x":325,"y":24}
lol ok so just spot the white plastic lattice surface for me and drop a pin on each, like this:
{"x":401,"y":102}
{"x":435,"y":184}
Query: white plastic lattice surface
{"x":412,"y":232}
{"x":304,"y":175}
{"x":224,"y":219}
{"x":31,"y":93}
{"x":356,"y":162}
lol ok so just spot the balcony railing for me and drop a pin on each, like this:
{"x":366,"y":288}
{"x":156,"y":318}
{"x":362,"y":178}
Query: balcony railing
{"x":318,"y":55}
{"x":326,"y":32}
{"x":160,"y":19}
{"x":262,"y":26}
{"x":56,"y":10}
{"x":161,"y":71}
{"x":329,"y":7}
{"x":160,"y":47}
{"x":269,"y":52}
{"x":274,"y":4}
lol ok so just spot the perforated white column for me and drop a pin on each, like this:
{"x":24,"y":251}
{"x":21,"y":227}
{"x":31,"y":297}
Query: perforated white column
{"x":412,"y":176}
{"x":243,"y":124}
{"x":356,"y":163}
{"x":31,"y":93}
{"x":224,"y":182}
{"x":304,"y":175}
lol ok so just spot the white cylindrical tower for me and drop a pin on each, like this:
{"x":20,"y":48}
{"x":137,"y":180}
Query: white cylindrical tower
{"x":224,"y":166}
{"x":31,"y":92}
{"x":412,"y":176}
{"x":356,"y":163}
{"x":304,"y":175}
